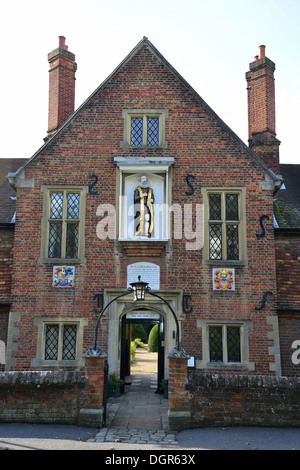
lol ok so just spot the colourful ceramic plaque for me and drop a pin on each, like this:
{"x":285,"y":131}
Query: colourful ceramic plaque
{"x":63,"y":276}
{"x":223,"y":279}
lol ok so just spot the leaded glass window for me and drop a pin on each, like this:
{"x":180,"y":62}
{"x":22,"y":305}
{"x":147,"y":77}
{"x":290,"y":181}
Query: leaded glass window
{"x":215,"y":206}
{"x":73,"y":205}
{"x":152,"y":131}
{"x":56,"y":205}
{"x":233,"y":344}
{"x":136,"y":134}
{"x":72,"y":241}
{"x":60,"y":342}
{"x":144,"y":131}
{"x":232,"y":240}
{"x":55,"y":238}
{"x":232,"y":206}
{"x":224,"y":343}
{"x":51,"y":343}
{"x":224,"y":225}
{"x":215,"y":241}
{"x":64,"y":224}
{"x":69,"y":342}
{"x":215,"y":344}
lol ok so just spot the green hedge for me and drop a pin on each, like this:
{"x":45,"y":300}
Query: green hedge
{"x":132,"y":351}
{"x":138,"y":331}
{"x":153,"y":339}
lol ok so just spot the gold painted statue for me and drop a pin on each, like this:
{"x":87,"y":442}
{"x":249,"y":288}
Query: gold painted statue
{"x":144,"y":213}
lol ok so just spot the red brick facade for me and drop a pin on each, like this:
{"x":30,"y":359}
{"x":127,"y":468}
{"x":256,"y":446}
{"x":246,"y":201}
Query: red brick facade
{"x":287,"y":246}
{"x":6,"y":261}
{"x":197,"y":155}
{"x":288,"y":303}
{"x":202,"y":146}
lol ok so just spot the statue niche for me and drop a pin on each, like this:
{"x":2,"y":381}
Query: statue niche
{"x":144,"y":209}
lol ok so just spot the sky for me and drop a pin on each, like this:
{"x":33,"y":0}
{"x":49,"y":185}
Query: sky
{"x":210,"y":43}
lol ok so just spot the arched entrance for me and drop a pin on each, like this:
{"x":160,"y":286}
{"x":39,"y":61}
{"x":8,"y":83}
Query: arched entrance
{"x":147,"y":319}
{"x":118,"y":315}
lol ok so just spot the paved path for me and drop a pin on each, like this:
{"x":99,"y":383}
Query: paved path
{"x":139,"y":415}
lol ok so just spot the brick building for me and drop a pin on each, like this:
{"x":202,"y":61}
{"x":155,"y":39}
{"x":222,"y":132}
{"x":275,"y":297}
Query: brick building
{"x":145,"y":179}
{"x":7,"y":223}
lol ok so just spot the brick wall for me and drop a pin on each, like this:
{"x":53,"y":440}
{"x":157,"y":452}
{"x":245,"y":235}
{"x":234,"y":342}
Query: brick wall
{"x":289,"y":331}
{"x":3,"y":336}
{"x":287,"y":246}
{"x":3,"y":323}
{"x":6,"y":261}
{"x":179,"y":404}
{"x":56,"y":397}
{"x":41,"y":397}
{"x":221,"y":400}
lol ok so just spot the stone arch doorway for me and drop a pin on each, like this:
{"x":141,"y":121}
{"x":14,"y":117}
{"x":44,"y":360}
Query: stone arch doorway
{"x":125,"y":305}
{"x":148,"y":319}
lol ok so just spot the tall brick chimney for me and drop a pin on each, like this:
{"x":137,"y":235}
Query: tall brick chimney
{"x":61,"y":86}
{"x":261,"y":110}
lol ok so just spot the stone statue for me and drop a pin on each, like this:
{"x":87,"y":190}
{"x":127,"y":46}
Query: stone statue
{"x":143,"y":203}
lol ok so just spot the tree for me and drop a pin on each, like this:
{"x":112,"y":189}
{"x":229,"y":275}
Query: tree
{"x":138,"y":331}
{"x":153,"y":339}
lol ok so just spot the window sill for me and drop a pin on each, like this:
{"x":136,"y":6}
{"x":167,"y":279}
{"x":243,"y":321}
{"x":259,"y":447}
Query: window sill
{"x":223,"y":365}
{"x":126,"y":145}
{"x":230,"y":366}
{"x":62,"y":261}
{"x":49,"y":364}
{"x":210,"y":262}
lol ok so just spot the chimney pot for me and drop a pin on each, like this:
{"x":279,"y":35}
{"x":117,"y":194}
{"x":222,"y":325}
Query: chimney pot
{"x":62,"y":42}
{"x":262,"y":52}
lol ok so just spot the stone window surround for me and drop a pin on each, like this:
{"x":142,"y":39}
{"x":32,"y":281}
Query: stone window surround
{"x":127,"y":114}
{"x":244,"y":326}
{"x":243,"y":260}
{"x":40,"y":323}
{"x":46,"y":191}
